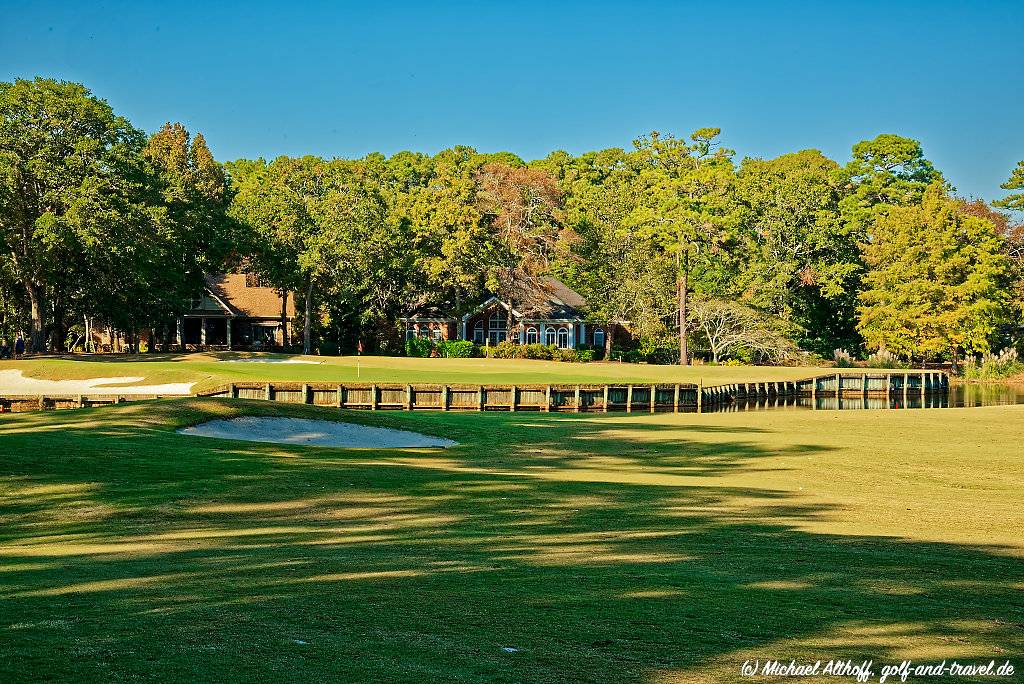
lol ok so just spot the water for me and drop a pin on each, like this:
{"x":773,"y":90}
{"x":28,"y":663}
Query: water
{"x":959,"y":396}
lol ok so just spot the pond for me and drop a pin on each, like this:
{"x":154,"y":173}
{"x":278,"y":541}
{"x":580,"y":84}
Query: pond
{"x":959,"y":396}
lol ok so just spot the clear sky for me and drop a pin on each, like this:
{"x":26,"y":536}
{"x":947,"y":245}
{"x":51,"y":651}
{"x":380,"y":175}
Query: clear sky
{"x":343,"y":79}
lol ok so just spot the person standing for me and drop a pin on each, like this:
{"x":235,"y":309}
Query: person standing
{"x":19,"y":347}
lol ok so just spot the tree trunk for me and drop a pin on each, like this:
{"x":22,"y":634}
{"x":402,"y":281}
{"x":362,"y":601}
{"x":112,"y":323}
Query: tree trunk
{"x":307,"y":332}
{"x":684,"y":352}
{"x":609,"y":340}
{"x":284,"y":318}
{"x":37,"y":337}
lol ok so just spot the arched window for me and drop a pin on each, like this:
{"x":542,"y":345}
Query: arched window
{"x":410,"y":332}
{"x":563,"y":338}
{"x":478,"y":332}
{"x":531,"y":335}
{"x":549,"y":336}
{"x":497,"y":326}
{"x":599,"y":338}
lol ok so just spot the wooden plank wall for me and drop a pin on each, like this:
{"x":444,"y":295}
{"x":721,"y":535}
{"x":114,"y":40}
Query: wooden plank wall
{"x":630,"y":398}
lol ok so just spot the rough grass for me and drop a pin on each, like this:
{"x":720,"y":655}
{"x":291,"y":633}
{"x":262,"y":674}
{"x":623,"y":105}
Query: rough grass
{"x":209,"y":370}
{"x":666,"y":548}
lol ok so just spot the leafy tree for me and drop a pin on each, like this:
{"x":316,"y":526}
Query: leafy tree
{"x":1015,"y":200}
{"x":802,"y":262}
{"x":71,"y":183}
{"x":937,"y":280}
{"x":521,"y":208}
{"x":685,"y":205}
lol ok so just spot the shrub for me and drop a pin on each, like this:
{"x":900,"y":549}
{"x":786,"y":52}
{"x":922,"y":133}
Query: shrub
{"x":327,"y":348}
{"x":504,"y":350}
{"x":456,"y":349}
{"x":419,"y":347}
{"x":843,"y":359}
{"x":883,"y":358}
{"x":538,"y":351}
{"x":585,"y":355}
{"x":565,"y":355}
{"x":994,"y":366}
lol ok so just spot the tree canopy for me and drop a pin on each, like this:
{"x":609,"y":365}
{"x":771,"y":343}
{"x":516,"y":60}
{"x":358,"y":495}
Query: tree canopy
{"x":698,"y":254}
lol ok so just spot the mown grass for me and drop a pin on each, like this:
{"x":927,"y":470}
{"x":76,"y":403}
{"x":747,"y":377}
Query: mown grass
{"x":210,"y":370}
{"x":665,"y":548}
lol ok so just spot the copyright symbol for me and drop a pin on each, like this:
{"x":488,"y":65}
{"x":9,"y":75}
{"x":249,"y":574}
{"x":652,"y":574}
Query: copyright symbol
{"x":749,"y":669}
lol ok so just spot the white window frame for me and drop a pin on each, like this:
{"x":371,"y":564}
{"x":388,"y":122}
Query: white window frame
{"x":531,"y":335}
{"x":563,"y":338}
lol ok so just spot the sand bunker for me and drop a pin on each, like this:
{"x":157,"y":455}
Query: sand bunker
{"x":313,"y":433}
{"x":259,"y":360}
{"x":13,"y":382}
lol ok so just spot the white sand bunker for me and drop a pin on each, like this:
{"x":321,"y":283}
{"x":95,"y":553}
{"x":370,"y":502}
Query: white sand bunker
{"x":14,"y":382}
{"x":313,"y":433}
{"x":260,"y":360}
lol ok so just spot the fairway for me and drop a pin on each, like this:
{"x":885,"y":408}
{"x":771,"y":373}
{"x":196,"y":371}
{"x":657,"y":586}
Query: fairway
{"x":212,"y":370}
{"x":542,"y":548}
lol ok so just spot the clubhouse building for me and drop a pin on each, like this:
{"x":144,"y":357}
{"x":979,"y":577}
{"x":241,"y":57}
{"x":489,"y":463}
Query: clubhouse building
{"x":556,"y":317}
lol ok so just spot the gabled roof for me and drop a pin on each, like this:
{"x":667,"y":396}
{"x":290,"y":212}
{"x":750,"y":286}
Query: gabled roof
{"x":560,"y":303}
{"x":251,"y":301}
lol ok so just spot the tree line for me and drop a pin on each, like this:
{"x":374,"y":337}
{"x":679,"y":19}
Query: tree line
{"x":700,"y":252}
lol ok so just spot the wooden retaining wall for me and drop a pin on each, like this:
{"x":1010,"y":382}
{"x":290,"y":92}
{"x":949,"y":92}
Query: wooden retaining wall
{"x":648,"y":398}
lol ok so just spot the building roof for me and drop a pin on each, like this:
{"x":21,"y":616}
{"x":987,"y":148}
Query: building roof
{"x":557,"y":302}
{"x":245,"y":299}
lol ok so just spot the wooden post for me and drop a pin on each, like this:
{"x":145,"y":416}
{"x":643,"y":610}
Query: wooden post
{"x":480,"y":398}
{"x":814,"y":391}
{"x":839,"y":385}
{"x":408,"y":397}
{"x":864,"y":385}
{"x":268,"y":392}
{"x":547,"y":399}
{"x":606,"y":398}
{"x":514,"y":398}
{"x":373,"y":397}
{"x":577,"y":400}
{"x":923,"y":383}
{"x":307,"y":398}
{"x":654,"y":393}
{"x":675,"y":399}
{"x":341,"y":396}
{"x":629,"y":398}
{"x":81,"y":401}
{"x":232,"y":391}
{"x":906,"y":382}
{"x":700,"y":395}
{"x":444,"y":398}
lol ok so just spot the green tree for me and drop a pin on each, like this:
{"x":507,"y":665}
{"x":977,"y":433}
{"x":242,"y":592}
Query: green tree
{"x":1015,"y":200}
{"x":937,"y":280}
{"x":801,"y":260}
{"x":685,"y":205}
{"x":71,"y":182}
{"x":889,"y":170}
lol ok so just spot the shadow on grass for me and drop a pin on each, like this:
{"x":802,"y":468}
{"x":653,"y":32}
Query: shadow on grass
{"x":128,"y":551}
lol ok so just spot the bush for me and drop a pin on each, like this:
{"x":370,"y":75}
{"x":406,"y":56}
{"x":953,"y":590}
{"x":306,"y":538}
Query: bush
{"x":883,"y":358}
{"x":843,"y":359}
{"x":456,"y":349}
{"x":565,"y":355}
{"x":585,"y":355}
{"x":327,"y":348}
{"x":538,"y":351}
{"x":994,"y":366}
{"x":419,"y":347}
{"x":504,"y":350}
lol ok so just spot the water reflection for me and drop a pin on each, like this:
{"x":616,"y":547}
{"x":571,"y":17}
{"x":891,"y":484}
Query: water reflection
{"x":959,"y":396}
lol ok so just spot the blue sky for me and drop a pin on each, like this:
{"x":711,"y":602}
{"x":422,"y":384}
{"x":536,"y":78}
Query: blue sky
{"x":344,"y":79}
